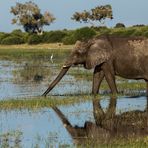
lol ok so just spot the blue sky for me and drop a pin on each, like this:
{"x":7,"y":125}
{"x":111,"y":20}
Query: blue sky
{"x":129,"y":12}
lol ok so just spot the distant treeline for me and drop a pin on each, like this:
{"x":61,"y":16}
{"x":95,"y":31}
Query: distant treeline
{"x":71,"y":36}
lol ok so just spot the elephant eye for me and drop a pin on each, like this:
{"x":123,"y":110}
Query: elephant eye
{"x":77,"y":52}
{"x":81,"y":51}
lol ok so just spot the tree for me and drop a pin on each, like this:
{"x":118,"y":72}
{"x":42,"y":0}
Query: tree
{"x":100,"y":13}
{"x":30,"y":17}
{"x":119,"y":25}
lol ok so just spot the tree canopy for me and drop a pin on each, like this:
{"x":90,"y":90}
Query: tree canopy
{"x":99,"y":13}
{"x":30,"y":17}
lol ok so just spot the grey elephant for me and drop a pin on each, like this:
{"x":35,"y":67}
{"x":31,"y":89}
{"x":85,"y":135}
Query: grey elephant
{"x":109,"y":56}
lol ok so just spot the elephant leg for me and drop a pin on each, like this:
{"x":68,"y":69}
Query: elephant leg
{"x":111,"y":111}
{"x":110,"y":78}
{"x":147,"y":105}
{"x":98,"y":112}
{"x":147,"y":95}
{"x":98,"y":76}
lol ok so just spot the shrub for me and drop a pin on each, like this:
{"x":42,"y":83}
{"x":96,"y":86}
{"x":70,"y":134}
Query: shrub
{"x":129,"y":32}
{"x":102,"y":30}
{"x":145,"y":34}
{"x":139,"y":25}
{"x":45,"y":37}
{"x":3,"y":35}
{"x":12,"y":40}
{"x":53,"y":36}
{"x":117,"y":32}
{"x":26,"y":37}
{"x":79,"y":34}
{"x":69,"y":40}
{"x":84,"y":33}
{"x":17,"y":32}
{"x":143,"y":31}
{"x":123,"y":32}
{"x":20,"y":34}
{"x":119,"y":25}
{"x":99,"y":28}
{"x":137,"y":33}
{"x":34,"y":39}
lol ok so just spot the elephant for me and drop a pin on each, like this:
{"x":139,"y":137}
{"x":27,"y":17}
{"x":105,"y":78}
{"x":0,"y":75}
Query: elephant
{"x":107,"y":124}
{"x":109,"y":56}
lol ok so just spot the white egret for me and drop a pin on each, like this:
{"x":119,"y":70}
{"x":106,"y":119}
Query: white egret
{"x":51,"y":58}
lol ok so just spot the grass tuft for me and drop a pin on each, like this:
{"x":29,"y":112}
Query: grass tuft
{"x":41,"y":102}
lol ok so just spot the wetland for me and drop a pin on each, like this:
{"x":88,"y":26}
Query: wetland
{"x":70,"y":116}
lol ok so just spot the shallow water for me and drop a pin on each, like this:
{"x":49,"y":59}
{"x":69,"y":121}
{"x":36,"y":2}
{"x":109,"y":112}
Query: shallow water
{"x":44,"y":127}
{"x":17,"y":80}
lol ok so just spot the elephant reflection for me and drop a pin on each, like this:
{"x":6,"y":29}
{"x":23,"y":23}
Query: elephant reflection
{"x":107,"y":124}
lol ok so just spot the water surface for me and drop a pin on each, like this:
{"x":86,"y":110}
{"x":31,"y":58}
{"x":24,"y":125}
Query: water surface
{"x":44,"y":127}
{"x":28,"y":128}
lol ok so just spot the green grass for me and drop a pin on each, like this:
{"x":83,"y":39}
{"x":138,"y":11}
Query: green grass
{"x":140,"y":142}
{"x":50,"y":101}
{"x":126,"y":86}
{"x":35,"y":51}
{"x":41,"y":102}
{"x":126,"y":32}
{"x":26,"y":53}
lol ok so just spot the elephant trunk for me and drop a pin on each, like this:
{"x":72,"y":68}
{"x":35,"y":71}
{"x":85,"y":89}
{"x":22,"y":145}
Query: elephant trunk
{"x":57,"y":79}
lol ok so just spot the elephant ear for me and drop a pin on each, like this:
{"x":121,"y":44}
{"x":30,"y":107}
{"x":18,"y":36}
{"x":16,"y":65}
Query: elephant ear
{"x":82,"y":47}
{"x":97,"y":55}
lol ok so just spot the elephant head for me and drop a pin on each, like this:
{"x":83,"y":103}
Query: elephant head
{"x":90,"y":54}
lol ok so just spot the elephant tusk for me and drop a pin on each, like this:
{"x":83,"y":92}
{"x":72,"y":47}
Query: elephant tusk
{"x":57,"y":79}
{"x":65,"y":66}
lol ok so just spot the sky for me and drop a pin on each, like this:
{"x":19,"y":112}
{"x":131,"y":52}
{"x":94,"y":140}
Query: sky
{"x":129,"y":12}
